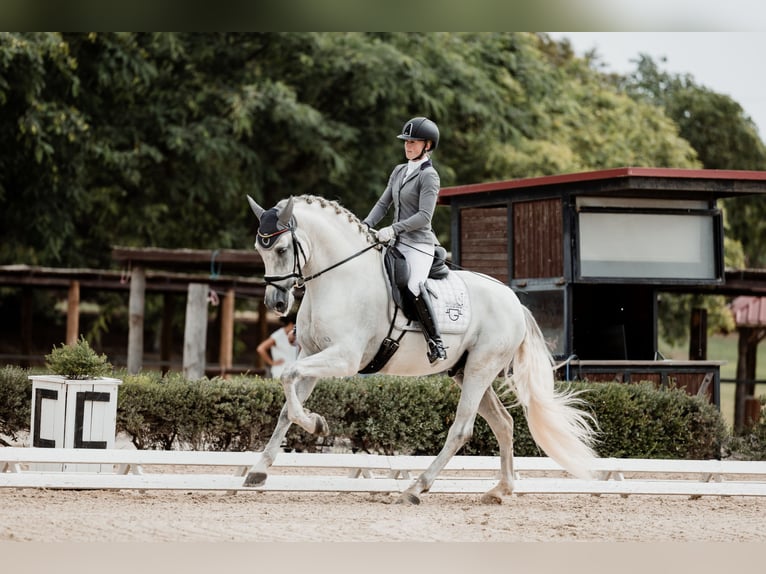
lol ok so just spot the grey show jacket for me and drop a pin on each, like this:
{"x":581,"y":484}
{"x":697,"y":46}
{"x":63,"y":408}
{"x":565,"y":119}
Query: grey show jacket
{"x":414,"y":201}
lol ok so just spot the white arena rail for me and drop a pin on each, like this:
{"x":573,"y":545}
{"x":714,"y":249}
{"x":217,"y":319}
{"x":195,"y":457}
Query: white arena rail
{"x":313,"y":472}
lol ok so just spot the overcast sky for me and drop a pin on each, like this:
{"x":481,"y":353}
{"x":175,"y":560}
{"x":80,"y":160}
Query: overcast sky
{"x":729,"y":63}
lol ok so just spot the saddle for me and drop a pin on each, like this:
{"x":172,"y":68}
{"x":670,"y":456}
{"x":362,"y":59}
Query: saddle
{"x":398,"y":271}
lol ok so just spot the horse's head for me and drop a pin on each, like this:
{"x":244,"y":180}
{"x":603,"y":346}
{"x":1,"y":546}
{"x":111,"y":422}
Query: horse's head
{"x":282,"y":252}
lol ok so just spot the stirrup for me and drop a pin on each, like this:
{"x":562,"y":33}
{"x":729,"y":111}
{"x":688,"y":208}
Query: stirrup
{"x":436,"y":351}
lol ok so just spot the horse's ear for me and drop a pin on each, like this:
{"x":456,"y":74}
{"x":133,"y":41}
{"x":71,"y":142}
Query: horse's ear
{"x":257,"y":209}
{"x":286,"y":213}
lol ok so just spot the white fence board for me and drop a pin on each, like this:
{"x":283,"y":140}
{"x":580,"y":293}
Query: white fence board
{"x":375,"y":473}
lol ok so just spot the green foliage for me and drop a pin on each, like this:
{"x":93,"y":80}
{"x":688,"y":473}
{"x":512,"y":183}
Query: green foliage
{"x":390,"y":415}
{"x":78,"y":361}
{"x":752,"y":444}
{"x":722,"y":136}
{"x":155,"y":138}
{"x":209,"y":414}
{"x":674,"y":312}
{"x":716,"y":126}
{"x":385,"y":415}
{"x":15,"y":401}
{"x":636,"y":418}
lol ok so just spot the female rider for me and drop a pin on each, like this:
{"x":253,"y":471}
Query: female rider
{"x":412,"y":189}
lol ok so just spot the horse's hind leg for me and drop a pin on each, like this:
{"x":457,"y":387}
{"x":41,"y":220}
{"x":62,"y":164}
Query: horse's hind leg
{"x":258,"y":473}
{"x":501,"y":422}
{"x":459,"y":433}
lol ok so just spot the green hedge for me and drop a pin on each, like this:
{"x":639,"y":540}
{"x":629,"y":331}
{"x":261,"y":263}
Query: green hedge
{"x":376,"y":414}
{"x":15,"y":401}
{"x":750,"y":445}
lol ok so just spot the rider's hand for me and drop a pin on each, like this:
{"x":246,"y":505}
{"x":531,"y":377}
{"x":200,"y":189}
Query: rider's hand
{"x":386,"y":234}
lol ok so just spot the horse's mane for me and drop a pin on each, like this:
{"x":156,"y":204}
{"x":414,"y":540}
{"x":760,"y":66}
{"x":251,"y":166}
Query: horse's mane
{"x":339,"y":210}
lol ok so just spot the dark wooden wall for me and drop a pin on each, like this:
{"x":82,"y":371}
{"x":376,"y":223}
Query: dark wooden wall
{"x":484,"y":240}
{"x":538,"y":239}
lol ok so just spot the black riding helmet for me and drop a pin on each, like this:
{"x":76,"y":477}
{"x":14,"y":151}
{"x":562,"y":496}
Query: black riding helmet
{"x":420,"y":129}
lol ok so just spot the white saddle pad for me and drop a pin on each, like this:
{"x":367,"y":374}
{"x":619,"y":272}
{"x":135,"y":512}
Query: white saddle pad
{"x":451,"y":303}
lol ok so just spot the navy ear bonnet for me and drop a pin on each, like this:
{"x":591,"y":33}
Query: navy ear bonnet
{"x":270,"y":228}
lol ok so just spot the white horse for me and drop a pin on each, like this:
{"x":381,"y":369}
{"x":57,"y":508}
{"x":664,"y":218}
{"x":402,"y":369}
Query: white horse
{"x":346,"y":313}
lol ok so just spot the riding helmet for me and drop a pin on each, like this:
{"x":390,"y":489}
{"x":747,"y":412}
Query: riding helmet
{"x":420,"y":129}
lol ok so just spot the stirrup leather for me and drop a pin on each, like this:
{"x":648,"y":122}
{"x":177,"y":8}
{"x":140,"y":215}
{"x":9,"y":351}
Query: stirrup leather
{"x":425,"y":311}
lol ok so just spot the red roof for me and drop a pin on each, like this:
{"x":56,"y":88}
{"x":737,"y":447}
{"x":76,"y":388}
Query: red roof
{"x":749,"y":311}
{"x":620,"y":172}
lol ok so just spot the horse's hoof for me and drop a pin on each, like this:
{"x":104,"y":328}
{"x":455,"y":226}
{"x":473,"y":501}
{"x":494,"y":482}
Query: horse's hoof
{"x":408,"y":499}
{"x":491,"y":498}
{"x":321,"y":428}
{"x":254,"y":479}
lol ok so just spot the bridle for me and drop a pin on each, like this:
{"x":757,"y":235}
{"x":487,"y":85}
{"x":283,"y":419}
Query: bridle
{"x":297,"y":272}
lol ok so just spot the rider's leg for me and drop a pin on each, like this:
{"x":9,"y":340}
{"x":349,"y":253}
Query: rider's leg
{"x":420,"y":257}
{"x":430,"y":327}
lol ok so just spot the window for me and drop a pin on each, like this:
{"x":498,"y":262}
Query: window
{"x":648,"y":239}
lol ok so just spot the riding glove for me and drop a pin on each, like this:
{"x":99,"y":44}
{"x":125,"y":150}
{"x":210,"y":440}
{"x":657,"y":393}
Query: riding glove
{"x":386,"y":234}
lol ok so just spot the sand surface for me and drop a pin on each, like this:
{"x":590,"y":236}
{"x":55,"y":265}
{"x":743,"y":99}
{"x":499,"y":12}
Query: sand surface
{"x":177,"y":516}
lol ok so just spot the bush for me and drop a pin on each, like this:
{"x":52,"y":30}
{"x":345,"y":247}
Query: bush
{"x":15,"y":401}
{"x":637,"y":420}
{"x":377,"y":414}
{"x":207,"y":414}
{"x":412,"y":416}
{"x":752,"y":444}
{"x":78,"y":361}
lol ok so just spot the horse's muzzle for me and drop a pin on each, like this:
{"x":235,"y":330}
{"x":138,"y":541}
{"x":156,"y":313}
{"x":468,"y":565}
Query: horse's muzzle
{"x":278,"y":300}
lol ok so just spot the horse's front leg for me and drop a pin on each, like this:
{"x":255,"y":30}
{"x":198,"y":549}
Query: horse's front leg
{"x":313,"y":423}
{"x":298,"y":380}
{"x":258,"y":473}
{"x":340,"y":360}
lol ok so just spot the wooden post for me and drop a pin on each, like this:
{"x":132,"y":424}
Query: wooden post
{"x":749,"y":337}
{"x":26,"y":325}
{"x":743,"y":351}
{"x":195,"y":332}
{"x":698,"y":335}
{"x":226,"y":351}
{"x":136,"y":305}
{"x":73,"y":313}
{"x":752,"y":412}
{"x":166,"y":334}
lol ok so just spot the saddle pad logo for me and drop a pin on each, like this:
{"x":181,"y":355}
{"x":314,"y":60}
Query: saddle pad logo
{"x":451,"y":303}
{"x":455,"y":311}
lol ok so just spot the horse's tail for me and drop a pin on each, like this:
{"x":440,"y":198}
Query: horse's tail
{"x":556,"y":423}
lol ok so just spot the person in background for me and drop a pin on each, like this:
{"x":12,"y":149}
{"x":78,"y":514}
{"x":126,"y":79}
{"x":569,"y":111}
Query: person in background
{"x":281,"y":348}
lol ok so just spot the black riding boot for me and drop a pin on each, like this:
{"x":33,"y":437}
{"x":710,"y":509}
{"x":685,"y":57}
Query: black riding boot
{"x":425,"y":312}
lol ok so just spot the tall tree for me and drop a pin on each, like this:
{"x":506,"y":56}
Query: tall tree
{"x":723,"y":136}
{"x":153,"y":139}
{"x":43,"y":139}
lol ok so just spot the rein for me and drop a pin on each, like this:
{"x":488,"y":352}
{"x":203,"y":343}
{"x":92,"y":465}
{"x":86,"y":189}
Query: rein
{"x":297,"y":267}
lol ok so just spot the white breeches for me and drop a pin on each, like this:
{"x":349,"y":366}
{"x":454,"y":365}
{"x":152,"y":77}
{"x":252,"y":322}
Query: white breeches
{"x":420,"y":256}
